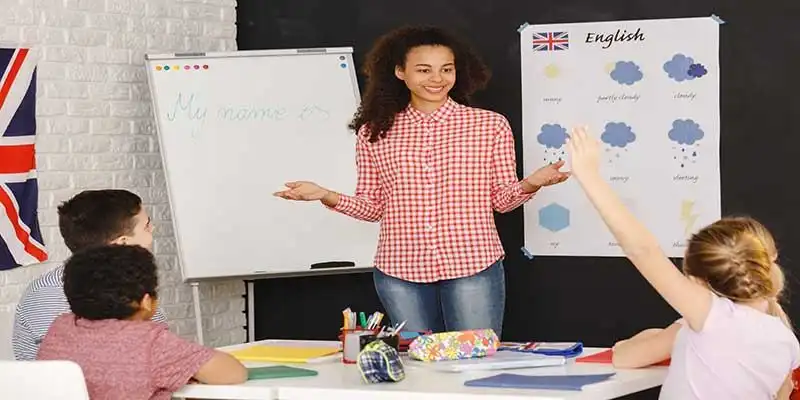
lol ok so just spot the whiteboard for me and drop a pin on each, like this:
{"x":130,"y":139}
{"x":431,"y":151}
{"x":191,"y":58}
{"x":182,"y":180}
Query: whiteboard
{"x":233,"y":128}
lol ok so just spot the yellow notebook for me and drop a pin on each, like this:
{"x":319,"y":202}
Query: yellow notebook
{"x":282,"y":353}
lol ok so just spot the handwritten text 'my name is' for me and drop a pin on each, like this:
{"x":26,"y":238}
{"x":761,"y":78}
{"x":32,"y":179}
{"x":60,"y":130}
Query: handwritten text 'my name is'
{"x":186,"y":108}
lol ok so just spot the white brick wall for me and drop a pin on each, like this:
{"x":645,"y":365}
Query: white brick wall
{"x":95,"y":128}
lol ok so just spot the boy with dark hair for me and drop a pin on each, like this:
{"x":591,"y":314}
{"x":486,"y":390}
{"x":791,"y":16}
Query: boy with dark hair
{"x":91,"y":218}
{"x":112,"y":291}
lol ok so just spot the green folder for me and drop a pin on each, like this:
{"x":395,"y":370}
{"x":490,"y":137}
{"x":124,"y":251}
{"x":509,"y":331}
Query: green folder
{"x":278,"y":371}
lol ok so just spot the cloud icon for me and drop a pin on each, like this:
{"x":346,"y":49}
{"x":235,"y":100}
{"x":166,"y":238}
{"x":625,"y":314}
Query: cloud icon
{"x":626,"y":73}
{"x":552,"y":136}
{"x":685,"y":131}
{"x":678,"y":68}
{"x":697,"y":70}
{"x":618,"y":134}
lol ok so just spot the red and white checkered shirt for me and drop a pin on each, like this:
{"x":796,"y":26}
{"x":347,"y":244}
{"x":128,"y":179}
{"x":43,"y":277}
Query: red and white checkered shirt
{"x":433,"y":183}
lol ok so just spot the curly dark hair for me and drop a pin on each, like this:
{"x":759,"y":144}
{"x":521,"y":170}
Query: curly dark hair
{"x":95,"y":217}
{"x":385,"y":95}
{"x":107,"y":282}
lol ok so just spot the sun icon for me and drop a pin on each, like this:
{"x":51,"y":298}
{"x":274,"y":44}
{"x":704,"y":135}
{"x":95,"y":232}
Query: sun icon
{"x":552,"y":71}
{"x":610,"y":67}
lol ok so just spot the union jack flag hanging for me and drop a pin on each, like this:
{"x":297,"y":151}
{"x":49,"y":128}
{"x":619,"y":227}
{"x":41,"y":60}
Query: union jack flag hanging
{"x":550,"y":41}
{"x":20,"y":236}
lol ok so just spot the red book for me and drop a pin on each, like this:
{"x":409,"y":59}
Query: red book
{"x":604,"y":357}
{"x":796,"y":381}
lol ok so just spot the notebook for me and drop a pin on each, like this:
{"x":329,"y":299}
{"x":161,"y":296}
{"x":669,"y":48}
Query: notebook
{"x":278,"y":371}
{"x":604,"y":357}
{"x":290,"y":354}
{"x":565,"y":349}
{"x":547,"y":382}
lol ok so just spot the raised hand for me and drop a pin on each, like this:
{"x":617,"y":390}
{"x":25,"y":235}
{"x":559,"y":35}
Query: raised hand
{"x":584,"y":152}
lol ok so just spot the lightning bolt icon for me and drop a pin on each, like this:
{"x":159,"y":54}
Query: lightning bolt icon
{"x":687,"y":216}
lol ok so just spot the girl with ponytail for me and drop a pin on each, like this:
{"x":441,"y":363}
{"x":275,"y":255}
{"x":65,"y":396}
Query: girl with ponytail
{"x":734,"y":341}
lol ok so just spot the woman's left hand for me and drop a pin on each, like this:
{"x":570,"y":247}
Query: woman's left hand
{"x":547,"y":175}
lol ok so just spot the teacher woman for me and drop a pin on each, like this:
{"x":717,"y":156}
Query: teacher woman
{"x":432,"y":170}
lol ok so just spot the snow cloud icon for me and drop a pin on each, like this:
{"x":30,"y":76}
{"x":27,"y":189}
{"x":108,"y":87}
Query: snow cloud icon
{"x":626,"y":73}
{"x":685,"y":131}
{"x":618,"y":134}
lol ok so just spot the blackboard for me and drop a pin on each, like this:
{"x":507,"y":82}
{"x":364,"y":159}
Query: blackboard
{"x":596,"y":300}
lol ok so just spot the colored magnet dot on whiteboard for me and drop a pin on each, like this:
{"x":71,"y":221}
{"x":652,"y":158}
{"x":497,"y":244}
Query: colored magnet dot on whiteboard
{"x":158,"y":68}
{"x":166,"y":68}
{"x":176,"y":68}
{"x":196,"y":66}
{"x":205,"y":66}
{"x":186,"y":67}
{"x":343,"y":65}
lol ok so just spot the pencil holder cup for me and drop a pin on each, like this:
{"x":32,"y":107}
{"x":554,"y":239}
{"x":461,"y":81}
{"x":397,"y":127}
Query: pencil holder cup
{"x":392,"y":341}
{"x":351,"y":343}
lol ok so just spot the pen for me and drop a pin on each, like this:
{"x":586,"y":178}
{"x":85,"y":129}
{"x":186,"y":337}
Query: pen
{"x":363,"y":320}
{"x":372,"y":321}
{"x":345,"y":317}
{"x":399,"y":327}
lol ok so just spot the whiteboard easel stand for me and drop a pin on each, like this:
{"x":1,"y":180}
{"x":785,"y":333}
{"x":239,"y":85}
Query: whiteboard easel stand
{"x":251,"y":313}
{"x":197,"y":316}
{"x":250,"y":293}
{"x":342,"y":60}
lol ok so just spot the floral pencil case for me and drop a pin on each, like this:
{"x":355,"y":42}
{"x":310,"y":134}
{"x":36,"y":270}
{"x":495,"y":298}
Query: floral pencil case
{"x":456,"y":345}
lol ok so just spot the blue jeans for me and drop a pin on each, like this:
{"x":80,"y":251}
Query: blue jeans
{"x":473,"y":302}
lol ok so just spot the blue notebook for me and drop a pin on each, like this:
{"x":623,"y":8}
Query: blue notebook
{"x":547,"y":382}
{"x":564,"y":349}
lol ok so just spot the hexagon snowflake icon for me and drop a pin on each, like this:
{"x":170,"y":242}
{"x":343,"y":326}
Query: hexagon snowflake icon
{"x":554,"y":217}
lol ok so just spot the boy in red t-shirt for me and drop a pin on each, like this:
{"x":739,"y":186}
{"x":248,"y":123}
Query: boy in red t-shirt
{"x":123,"y":354}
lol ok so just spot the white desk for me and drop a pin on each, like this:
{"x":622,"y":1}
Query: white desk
{"x":337,"y":381}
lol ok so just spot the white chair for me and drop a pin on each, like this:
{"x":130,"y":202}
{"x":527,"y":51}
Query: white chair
{"x":6,"y":330}
{"x":7,"y":311}
{"x":51,"y":380}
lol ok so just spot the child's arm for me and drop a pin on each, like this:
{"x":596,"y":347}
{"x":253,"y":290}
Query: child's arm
{"x":786,"y":389}
{"x":221,"y":369}
{"x":175,"y":361}
{"x":646,"y":348}
{"x":691,"y":300}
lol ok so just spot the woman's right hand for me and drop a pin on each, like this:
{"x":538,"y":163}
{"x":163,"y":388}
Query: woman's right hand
{"x":302,"y":190}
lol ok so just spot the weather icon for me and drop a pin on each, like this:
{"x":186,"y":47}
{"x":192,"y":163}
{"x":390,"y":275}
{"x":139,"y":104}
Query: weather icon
{"x":617,"y":135}
{"x":683,"y":68}
{"x":552,"y":71}
{"x":626,"y":73}
{"x":688,"y":216}
{"x":554,"y":217}
{"x":553,"y":137}
{"x":686,"y":134}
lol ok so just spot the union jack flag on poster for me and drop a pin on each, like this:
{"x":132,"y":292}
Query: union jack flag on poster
{"x":550,"y":41}
{"x":20,"y":236}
